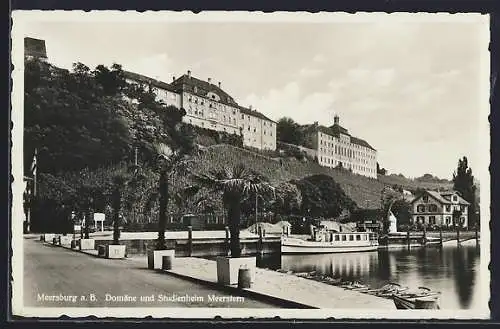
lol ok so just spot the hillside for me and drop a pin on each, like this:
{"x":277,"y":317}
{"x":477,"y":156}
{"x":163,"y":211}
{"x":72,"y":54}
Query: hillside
{"x":410,"y":184}
{"x":366,"y":192}
{"x":361,"y":189}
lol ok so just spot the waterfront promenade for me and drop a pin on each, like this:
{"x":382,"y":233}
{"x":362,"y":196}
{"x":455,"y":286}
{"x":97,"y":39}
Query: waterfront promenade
{"x":280,"y":286}
{"x":53,"y":276}
{"x":52,"y":269}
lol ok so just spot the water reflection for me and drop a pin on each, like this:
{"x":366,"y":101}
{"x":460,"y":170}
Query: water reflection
{"x":452,"y":270}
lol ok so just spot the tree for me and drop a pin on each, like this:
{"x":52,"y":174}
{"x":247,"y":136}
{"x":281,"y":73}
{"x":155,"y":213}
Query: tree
{"x":288,"y":131}
{"x":71,"y":120}
{"x":380,"y":170}
{"x":463,"y":183}
{"x":234,"y":183}
{"x":323,"y":197}
{"x":173,"y":157}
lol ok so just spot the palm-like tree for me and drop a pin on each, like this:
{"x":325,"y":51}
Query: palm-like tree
{"x":235,"y":183}
{"x":170,"y":162}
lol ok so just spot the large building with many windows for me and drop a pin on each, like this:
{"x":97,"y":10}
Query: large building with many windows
{"x":208,"y":106}
{"x":336,"y":147}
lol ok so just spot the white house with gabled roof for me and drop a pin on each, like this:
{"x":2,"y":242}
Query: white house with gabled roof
{"x":436,"y":208}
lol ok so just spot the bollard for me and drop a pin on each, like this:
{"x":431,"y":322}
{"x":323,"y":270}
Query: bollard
{"x":166,"y":264}
{"x":190,"y":241}
{"x":101,"y":251}
{"x":244,"y":278}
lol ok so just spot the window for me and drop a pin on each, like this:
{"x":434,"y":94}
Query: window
{"x":337,"y":238}
{"x":358,"y":237}
{"x":448,"y":208}
{"x":420,"y":208}
{"x":344,"y":238}
{"x":351,"y":237}
{"x":448,"y":220}
{"x":243,"y":116}
{"x":433,"y":208}
{"x":455,"y":198}
{"x":425,"y":198}
{"x":432,"y":220}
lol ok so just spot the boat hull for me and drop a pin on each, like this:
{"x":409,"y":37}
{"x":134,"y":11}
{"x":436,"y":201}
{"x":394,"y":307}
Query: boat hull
{"x":415,"y":303}
{"x":306,"y":247}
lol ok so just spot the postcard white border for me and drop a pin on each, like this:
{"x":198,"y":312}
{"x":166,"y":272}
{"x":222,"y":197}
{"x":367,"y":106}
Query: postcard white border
{"x":19,"y":17}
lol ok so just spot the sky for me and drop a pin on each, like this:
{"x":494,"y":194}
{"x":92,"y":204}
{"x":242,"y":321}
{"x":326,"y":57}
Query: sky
{"x":410,"y":88}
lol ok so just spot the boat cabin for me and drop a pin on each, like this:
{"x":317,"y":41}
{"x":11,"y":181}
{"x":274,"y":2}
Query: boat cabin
{"x":334,"y":236}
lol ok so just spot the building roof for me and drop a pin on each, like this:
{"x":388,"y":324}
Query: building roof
{"x":336,"y":130}
{"x":144,"y":79}
{"x":257,"y":114}
{"x":443,"y":197}
{"x":188,"y":83}
{"x":35,"y":47}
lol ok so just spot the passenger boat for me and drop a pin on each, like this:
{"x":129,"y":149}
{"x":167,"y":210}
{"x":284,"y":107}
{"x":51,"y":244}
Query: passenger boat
{"x":422,"y":299}
{"x":326,"y":241}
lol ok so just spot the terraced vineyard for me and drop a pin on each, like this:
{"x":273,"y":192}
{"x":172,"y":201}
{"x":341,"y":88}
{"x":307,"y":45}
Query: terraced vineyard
{"x":366,"y":192}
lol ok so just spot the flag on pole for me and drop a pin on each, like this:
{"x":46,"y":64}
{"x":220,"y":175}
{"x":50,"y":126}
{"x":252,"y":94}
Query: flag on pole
{"x":33,"y":171}
{"x":33,"y":164}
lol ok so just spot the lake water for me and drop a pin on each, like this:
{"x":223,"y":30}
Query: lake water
{"x":452,"y":270}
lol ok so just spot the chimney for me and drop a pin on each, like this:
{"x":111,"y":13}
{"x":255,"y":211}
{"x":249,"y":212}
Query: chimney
{"x":209,"y":80}
{"x":173,"y":78}
{"x":219,"y":84}
{"x":250,"y":107}
{"x":336,"y":119}
{"x":189,"y":73}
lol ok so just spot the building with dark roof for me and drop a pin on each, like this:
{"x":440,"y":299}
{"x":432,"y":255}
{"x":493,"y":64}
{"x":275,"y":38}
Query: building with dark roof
{"x":336,"y":147}
{"x":35,"y":48}
{"x":437,"y":208}
{"x":208,"y":106}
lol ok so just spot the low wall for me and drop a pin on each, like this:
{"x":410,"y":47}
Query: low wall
{"x":201,"y":247}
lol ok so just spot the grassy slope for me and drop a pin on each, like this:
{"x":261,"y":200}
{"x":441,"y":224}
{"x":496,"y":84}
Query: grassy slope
{"x":359,"y":188}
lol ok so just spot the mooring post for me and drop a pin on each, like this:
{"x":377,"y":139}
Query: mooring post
{"x":408,"y":238}
{"x":260,"y":243}
{"x":424,"y":237}
{"x":441,"y":235}
{"x":190,"y":241}
{"x":227,"y":240}
{"x":476,"y":228}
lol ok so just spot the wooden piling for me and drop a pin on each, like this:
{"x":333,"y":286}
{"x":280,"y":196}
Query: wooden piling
{"x":424,"y":237}
{"x":408,"y":238}
{"x":458,"y":234}
{"x":260,"y":243}
{"x":441,"y":235}
{"x":227,"y":239}
{"x":190,"y":241}
{"x":477,"y":234}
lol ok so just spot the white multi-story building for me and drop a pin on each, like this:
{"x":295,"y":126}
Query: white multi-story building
{"x":335,"y":147}
{"x":210,"y":107}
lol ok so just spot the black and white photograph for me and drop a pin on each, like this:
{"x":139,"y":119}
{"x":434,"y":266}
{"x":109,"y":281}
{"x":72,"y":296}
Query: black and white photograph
{"x":250,"y":165}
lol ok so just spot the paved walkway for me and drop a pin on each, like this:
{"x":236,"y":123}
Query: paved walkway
{"x":282,"y":286}
{"x":58,"y":277}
